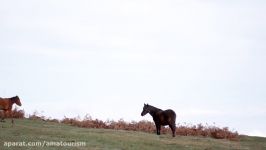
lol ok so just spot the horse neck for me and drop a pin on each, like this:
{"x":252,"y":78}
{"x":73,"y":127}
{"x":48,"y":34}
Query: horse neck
{"x":154,"y":110}
{"x":12,"y":101}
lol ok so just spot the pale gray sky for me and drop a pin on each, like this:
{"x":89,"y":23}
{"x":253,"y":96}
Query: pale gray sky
{"x":204,"y":59}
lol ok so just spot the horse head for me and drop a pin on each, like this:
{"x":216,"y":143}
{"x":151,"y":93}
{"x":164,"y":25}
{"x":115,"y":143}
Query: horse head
{"x":145,"y":109}
{"x":17,"y":100}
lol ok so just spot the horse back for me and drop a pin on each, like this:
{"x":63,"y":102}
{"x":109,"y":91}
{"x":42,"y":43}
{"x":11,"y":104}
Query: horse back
{"x":169,"y":113}
{"x":165,"y":117}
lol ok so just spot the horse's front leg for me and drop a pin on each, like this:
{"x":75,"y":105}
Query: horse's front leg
{"x":10,"y":114}
{"x":158,"y":128}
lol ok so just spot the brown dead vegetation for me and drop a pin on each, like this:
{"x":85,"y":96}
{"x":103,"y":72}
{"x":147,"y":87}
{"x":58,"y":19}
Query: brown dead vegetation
{"x":143,"y":126}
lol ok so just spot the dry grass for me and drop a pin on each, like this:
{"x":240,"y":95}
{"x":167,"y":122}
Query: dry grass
{"x":147,"y":126}
{"x":16,"y":113}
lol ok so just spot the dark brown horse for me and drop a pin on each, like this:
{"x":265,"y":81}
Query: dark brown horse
{"x":6,"y":105}
{"x":161,"y":117}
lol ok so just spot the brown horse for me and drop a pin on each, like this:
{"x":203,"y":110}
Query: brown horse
{"x":161,"y":117}
{"x":6,"y":105}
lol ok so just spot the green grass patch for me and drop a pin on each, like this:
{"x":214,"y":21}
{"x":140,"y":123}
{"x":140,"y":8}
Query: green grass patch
{"x":26,"y":130}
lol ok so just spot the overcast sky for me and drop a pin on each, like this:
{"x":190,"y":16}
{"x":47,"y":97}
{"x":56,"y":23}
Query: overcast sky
{"x":205,"y":59}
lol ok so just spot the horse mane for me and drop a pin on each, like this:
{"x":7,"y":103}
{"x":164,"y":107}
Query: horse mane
{"x":154,"y":108}
{"x":13,"y":99}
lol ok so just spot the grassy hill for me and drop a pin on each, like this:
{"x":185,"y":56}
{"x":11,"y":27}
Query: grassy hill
{"x":50,"y":135}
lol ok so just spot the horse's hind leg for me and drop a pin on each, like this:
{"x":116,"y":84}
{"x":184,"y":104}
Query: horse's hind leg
{"x":173,"y":128}
{"x":3,"y":117}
